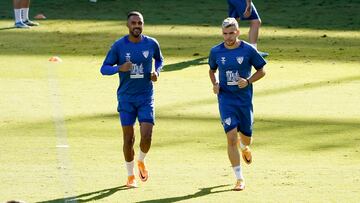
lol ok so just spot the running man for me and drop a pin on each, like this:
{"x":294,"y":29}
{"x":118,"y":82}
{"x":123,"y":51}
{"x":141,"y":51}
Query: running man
{"x":234,"y":59}
{"x":245,"y":10}
{"x":131,"y":58}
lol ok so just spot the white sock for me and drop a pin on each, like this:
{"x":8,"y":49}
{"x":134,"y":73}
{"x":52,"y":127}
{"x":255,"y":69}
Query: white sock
{"x":238,"y":173}
{"x":130,"y":167}
{"x":242,"y":146}
{"x":17,"y":13}
{"x":25,"y":14}
{"x":142,"y":156}
{"x":254,"y":45}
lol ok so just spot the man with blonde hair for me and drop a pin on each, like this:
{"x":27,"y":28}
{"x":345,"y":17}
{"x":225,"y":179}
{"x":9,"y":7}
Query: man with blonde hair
{"x":234,"y":59}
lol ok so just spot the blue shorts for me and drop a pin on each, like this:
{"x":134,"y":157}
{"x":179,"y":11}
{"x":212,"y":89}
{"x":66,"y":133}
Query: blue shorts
{"x":235,"y":116}
{"x":238,"y":10}
{"x":143,"y":110}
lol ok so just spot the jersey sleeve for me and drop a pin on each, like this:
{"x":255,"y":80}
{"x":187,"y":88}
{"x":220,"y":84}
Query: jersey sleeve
{"x":232,"y":10}
{"x":111,"y":59}
{"x":257,"y":60}
{"x":159,"y":59}
{"x":212,"y":60}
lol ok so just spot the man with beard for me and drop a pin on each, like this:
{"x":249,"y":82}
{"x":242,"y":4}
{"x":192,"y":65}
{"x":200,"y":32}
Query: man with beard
{"x":234,"y":58}
{"x":131,"y":58}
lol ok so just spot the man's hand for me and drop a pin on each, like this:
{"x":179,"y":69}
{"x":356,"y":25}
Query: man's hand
{"x":243,"y":82}
{"x":125,"y":67}
{"x":247,"y":12}
{"x":216,"y":88}
{"x":154,"y":76}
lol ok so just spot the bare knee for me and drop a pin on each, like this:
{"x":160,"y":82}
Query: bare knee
{"x":255,"y":23}
{"x":129,"y":141}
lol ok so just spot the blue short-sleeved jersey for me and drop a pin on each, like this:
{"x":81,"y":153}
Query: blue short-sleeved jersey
{"x":135,"y":85}
{"x":232,"y":64}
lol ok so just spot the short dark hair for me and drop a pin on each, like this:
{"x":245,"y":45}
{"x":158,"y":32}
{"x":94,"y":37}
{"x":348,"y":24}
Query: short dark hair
{"x":134,"y":13}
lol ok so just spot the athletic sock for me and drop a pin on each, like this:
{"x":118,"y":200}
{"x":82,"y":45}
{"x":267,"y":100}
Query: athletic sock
{"x":142,"y":156}
{"x":25,"y":14}
{"x":254,"y":45}
{"x":238,"y":173}
{"x":17,"y":13}
{"x":130,"y":167}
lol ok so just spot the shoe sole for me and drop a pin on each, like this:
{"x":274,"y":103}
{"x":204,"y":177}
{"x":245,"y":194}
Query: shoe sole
{"x":240,"y":189}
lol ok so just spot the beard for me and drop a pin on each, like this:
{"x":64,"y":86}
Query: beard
{"x":136,"y":32}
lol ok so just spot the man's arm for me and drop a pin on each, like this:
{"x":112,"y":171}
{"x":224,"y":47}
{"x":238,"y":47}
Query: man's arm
{"x":247,"y":12}
{"x":243,"y":82}
{"x":214,"y":81}
{"x":159,"y":59}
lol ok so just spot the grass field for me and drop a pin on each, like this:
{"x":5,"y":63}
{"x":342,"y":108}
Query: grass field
{"x":307,"y":118}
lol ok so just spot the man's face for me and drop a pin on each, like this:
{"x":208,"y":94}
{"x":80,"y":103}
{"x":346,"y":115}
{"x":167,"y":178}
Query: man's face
{"x":230,"y":35}
{"x":135,"y":25}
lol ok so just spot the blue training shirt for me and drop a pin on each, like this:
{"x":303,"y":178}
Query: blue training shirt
{"x":232,"y":64}
{"x":135,"y":85}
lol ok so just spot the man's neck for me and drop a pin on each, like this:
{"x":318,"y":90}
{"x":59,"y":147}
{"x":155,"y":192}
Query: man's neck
{"x":233,"y":46}
{"x":135,"y":39}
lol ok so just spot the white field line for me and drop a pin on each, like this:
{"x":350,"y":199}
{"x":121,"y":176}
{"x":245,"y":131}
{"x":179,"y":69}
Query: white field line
{"x":64,"y":164}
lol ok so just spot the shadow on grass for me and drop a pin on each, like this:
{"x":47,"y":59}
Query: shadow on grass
{"x":185,"y":64}
{"x":91,"y":196}
{"x":7,"y":28}
{"x":202,"y":192}
{"x":270,"y":92}
{"x":298,"y":48}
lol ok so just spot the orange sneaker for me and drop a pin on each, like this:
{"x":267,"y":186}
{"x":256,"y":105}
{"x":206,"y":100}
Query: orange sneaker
{"x":131,"y":182}
{"x":240,"y":185}
{"x":246,"y":155}
{"x":143,"y":172}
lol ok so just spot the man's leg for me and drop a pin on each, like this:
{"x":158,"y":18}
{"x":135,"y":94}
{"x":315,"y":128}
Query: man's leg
{"x":244,"y":143}
{"x":25,"y":14}
{"x":254,"y":35}
{"x":18,"y":14}
{"x":232,"y":149}
{"x":128,"y":150}
{"x":146,"y":134}
{"x":254,"y":31}
{"x":234,"y":157}
{"x":145,"y":143}
{"x":129,"y":140}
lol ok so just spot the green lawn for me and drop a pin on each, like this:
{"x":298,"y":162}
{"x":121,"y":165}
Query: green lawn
{"x":307,"y":120}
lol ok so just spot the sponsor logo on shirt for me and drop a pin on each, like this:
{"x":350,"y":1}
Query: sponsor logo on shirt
{"x":137,"y":71}
{"x":232,"y":77}
{"x":145,"y":53}
{"x":223,"y":60}
{"x":127,"y":57}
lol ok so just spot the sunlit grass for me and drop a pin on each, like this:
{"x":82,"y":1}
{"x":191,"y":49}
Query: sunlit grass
{"x":306,"y":133}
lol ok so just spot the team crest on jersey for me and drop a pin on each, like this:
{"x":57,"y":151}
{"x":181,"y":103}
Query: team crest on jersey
{"x":227,"y":121}
{"x":240,"y":59}
{"x":223,"y":60}
{"x":145,"y":53}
